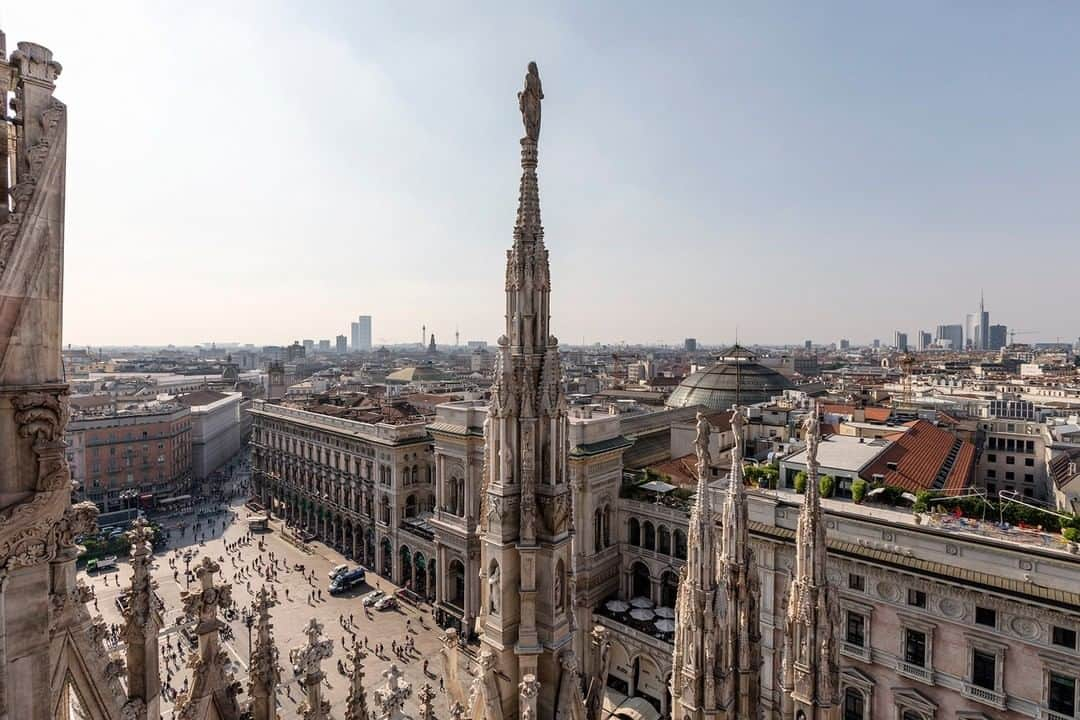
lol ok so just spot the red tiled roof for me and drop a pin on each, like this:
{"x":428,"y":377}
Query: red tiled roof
{"x":720,"y":421}
{"x":679,"y":471}
{"x":876,"y":414}
{"x":919,"y":454}
{"x":837,"y":409}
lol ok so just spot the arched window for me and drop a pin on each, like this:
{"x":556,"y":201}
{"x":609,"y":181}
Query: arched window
{"x":680,"y":544}
{"x":635,"y":532}
{"x":640,"y":581}
{"x":607,"y":526}
{"x":854,"y":705}
{"x":650,"y":536}
{"x":456,"y":583}
{"x":410,"y":506}
{"x":598,"y":530}
{"x":664,"y":541}
{"x":415,"y":474}
{"x":669,"y":589}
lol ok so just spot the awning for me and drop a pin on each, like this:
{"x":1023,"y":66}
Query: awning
{"x":657,"y":486}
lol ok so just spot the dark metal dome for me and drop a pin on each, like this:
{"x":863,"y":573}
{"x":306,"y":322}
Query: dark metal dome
{"x":735,"y":377}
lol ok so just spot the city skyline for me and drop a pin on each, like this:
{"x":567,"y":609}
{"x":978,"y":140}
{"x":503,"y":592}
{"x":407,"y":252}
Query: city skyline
{"x":796,"y":143}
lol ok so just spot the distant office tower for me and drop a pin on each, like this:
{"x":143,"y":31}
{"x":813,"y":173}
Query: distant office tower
{"x":984,"y":325}
{"x":953,"y":333}
{"x":843,"y":344}
{"x":342,"y":344}
{"x":808,"y":345}
{"x":900,"y":341}
{"x":361,"y":334}
{"x":324,"y":346}
{"x":877,"y":344}
{"x":998,"y":337}
{"x":925,"y":339}
{"x":309,"y":347}
{"x":690,"y":344}
{"x":969,"y":331}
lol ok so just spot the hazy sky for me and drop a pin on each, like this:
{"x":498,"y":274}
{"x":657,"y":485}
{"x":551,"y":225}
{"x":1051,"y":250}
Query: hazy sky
{"x":266,"y":171}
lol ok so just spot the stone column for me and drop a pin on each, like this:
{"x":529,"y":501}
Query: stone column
{"x":142,"y":623}
{"x":263,"y":675}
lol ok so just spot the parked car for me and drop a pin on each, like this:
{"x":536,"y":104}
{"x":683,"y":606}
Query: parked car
{"x":373,"y":597}
{"x":347,"y":581}
{"x":387,"y":603}
{"x":338,"y":571}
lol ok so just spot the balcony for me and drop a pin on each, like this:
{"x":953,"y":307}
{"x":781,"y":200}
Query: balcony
{"x":987,"y":697}
{"x":855,"y":651}
{"x":1051,"y":715}
{"x":915,"y":672}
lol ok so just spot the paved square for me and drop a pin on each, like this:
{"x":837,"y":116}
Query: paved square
{"x":289,"y":616}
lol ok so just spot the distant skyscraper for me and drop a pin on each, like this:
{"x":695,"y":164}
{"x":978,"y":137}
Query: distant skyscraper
{"x":690,"y":344}
{"x":953,"y":333}
{"x":925,"y":339}
{"x":877,"y":344}
{"x":324,"y":346}
{"x":970,"y":326}
{"x":342,"y":344}
{"x":361,"y":334}
{"x":309,"y":347}
{"x":900,"y":341}
{"x":984,"y":325}
{"x":843,"y":344}
{"x":808,"y":345}
{"x":998,"y":337}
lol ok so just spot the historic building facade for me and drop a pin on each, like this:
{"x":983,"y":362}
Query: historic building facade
{"x":365,"y":488}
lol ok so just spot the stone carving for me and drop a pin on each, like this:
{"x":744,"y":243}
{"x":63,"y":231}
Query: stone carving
{"x":307,"y":664}
{"x":950,"y":608}
{"x":356,"y":702}
{"x":529,"y":103}
{"x":888,"y":591}
{"x":528,"y":690}
{"x":41,"y":416}
{"x":701,"y":442}
{"x":390,"y":699}
{"x":426,"y":698}
{"x":263,"y":673}
{"x":1025,"y":627}
{"x":494,"y":590}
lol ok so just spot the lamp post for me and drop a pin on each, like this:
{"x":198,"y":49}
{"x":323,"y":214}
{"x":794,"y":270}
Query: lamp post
{"x":249,"y":620}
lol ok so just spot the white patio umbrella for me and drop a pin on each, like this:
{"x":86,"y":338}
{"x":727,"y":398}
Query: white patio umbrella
{"x":642,"y":614}
{"x":665,"y":625}
{"x":641,"y":602}
{"x":617,"y":606}
{"x":665,"y":612}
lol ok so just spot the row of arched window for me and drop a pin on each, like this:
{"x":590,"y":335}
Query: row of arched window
{"x":661,"y":540}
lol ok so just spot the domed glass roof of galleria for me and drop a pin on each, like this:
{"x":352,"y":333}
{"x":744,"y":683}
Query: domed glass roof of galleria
{"x":715,"y":387}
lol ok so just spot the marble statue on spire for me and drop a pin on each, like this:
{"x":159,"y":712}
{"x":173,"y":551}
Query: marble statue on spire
{"x":810,"y":675}
{"x":529,"y":102}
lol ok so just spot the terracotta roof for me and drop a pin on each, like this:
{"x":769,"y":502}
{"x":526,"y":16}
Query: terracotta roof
{"x":837,"y":409}
{"x":680,"y":471}
{"x":876,"y":414}
{"x":920,"y":456}
{"x":720,"y":421}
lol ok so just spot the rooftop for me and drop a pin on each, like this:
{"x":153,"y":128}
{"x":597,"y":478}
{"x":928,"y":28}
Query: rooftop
{"x":924,"y":458}
{"x":839,"y":452}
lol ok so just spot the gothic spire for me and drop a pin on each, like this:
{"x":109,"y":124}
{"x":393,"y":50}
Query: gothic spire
{"x":811,"y":665}
{"x":142,"y":622}
{"x":213,"y":689}
{"x":307,"y":659}
{"x":356,"y":703}
{"x":263,"y":675}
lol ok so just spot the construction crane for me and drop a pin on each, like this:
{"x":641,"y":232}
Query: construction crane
{"x":1014,"y":333}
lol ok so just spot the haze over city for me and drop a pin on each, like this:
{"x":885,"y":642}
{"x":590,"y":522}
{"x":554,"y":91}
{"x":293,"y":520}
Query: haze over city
{"x":795,"y":171}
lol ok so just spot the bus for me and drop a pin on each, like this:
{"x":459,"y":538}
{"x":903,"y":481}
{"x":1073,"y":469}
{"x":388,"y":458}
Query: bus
{"x":258,"y":523}
{"x":347,"y":581}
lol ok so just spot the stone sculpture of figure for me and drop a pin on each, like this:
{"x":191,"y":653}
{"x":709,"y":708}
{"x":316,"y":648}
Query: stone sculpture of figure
{"x":494,"y":590}
{"x":811,"y":431}
{"x":557,"y":582}
{"x":529,"y":102}
{"x":701,"y":441}
{"x":738,"y":423}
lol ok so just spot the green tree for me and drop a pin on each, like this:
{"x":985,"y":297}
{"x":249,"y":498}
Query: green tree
{"x":800,"y":482}
{"x":858,"y":490}
{"x":825,"y":485}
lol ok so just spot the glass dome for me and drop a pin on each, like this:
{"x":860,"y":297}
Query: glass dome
{"x":735,"y":377}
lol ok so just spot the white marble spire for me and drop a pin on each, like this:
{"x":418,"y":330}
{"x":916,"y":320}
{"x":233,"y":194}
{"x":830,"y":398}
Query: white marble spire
{"x":811,"y":666}
{"x":717,"y":653}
